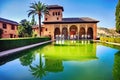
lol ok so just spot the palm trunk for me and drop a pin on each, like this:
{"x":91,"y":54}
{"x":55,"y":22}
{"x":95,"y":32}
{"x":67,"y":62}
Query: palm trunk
{"x":40,"y":55}
{"x":39,"y":17}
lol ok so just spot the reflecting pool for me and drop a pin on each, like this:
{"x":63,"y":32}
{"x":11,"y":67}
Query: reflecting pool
{"x":73,"y":60}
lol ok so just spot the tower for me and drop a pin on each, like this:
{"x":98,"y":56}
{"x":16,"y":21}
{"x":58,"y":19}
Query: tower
{"x":55,"y":13}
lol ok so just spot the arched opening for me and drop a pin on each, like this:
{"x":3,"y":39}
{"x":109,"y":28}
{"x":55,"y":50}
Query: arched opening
{"x":90,"y":33}
{"x":56,"y":32}
{"x":65,"y":32}
{"x":82,"y":32}
{"x":73,"y":32}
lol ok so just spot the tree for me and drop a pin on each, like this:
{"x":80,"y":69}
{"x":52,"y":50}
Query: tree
{"x":1,"y":32}
{"x":25,"y":29}
{"x":27,"y":59}
{"x":38,"y":71}
{"x":38,"y":9}
{"x":118,"y":17}
{"x":33,"y":22}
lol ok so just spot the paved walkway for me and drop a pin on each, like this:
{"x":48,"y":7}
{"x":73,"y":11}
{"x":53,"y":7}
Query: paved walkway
{"x":11,"y":51}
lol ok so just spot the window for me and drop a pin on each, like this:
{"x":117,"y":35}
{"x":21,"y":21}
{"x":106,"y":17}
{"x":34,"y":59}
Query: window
{"x":57,"y":18}
{"x":4,"y":26}
{"x":46,"y":19}
{"x":11,"y":35}
{"x":12,"y":27}
{"x":58,"y":13}
{"x":53,"y":13}
{"x":46,"y":29}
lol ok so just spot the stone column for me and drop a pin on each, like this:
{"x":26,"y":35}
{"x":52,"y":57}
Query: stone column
{"x":86,"y":29}
{"x":60,"y":27}
{"x":78,"y":27}
{"x":68,"y":28}
{"x":95,"y":31}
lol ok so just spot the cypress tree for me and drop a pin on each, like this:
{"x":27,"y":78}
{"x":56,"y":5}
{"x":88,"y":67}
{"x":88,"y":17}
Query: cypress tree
{"x":33,"y":22}
{"x":118,"y":17}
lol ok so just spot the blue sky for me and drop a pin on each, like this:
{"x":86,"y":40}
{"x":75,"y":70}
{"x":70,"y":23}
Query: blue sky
{"x":102,"y":10}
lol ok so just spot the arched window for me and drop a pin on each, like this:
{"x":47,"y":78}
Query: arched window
{"x":57,"y":18}
{"x":58,"y":13}
{"x":53,"y":13}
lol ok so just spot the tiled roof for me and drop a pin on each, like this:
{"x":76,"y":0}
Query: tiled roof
{"x":55,"y":7}
{"x":74,"y":20}
{"x":8,"y":21}
{"x":82,"y":19}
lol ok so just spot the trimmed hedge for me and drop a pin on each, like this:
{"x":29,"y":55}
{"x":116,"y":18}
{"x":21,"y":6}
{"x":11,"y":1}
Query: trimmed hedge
{"x":109,"y":39}
{"x":6,"y":44}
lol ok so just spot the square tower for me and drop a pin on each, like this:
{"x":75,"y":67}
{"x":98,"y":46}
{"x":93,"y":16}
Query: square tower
{"x":55,"y":13}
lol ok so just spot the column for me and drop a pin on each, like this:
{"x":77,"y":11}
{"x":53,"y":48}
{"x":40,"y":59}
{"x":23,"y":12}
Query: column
{"x":95,"y":31}
{"x":86,"y":28}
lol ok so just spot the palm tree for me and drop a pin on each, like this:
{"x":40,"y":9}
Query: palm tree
{"x":38,"y":9}
{"x":38,"y":71}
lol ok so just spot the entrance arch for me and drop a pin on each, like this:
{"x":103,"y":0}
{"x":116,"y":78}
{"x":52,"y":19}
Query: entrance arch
{"x":73,"y":30}
{"x":56,"y":32}
{"x":90,"y":33}
{"x":82,"y":32}
{"x":65,"y":32}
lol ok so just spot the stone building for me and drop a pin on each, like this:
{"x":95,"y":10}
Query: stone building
{"x":9,"y":28}
{"x":78,"y":28}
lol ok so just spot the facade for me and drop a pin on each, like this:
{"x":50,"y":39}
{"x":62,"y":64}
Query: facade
{"x":9,"y":28}
{"x":77,"y":28}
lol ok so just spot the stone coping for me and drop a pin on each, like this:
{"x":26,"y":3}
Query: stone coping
{"x":12,"y":51}
{"x":117,"y":44}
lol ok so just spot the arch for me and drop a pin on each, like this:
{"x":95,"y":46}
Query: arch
{"x":56,"y":32}
{"x":90,"y":33}
{"x":73,"y":30}
{"x":82,"y":32}
{"x":65,"y":32}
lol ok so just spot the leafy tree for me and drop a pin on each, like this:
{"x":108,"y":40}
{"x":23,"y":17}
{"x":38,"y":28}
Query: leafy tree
{"x":1,"y":32}
{"x":116,"y":66}
{"x":118,"y":17}
{"x":25,"y":29}
{"x":28,"y":58}
{"x":38,"y":8}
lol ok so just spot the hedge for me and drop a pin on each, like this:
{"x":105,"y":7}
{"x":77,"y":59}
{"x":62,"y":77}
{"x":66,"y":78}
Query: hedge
{"x":109,"y":39}
{"x":6,"y":44}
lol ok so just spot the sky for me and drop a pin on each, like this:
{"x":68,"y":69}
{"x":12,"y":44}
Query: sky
{"x":102,"y":10}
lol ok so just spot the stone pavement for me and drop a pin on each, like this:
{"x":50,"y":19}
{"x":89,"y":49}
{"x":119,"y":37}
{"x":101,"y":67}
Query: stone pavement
{"x":12,"y":51}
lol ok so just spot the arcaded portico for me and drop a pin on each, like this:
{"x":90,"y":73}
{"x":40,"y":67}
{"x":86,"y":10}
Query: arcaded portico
{"x":77,"y":28}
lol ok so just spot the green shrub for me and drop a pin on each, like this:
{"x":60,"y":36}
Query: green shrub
{"x":110,"y":39}
{"x":6,"y":44}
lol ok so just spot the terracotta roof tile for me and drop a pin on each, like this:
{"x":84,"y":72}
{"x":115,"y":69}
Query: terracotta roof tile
{"x":8,"y":21}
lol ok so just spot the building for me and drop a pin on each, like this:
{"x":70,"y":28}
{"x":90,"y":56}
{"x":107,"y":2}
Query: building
{"x":78,"y":28}
{"x":9,"y":28}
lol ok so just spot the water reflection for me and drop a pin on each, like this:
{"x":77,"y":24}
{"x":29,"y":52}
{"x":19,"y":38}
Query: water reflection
{"x":38,"y":70}
{"x":28,"y":58}
{"x":54,"y":57}
{"x":73,"y":52}
{"x":53,"y":65}
{"x":116,"y":66}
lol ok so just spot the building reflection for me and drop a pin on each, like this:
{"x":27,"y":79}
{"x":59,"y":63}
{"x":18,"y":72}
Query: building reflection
{"x":53,"y":65}
{"x":80,"y":52}
{"x":116,"y":66}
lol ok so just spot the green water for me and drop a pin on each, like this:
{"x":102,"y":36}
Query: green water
{"x":68,"y":61}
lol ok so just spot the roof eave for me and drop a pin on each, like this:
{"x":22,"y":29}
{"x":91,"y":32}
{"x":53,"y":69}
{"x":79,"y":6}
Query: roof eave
{"x":69,"y":22}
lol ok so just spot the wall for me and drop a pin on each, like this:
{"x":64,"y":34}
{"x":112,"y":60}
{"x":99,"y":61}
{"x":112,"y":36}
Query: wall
{"x":8,"y":31}
{"x":51,"y":28}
